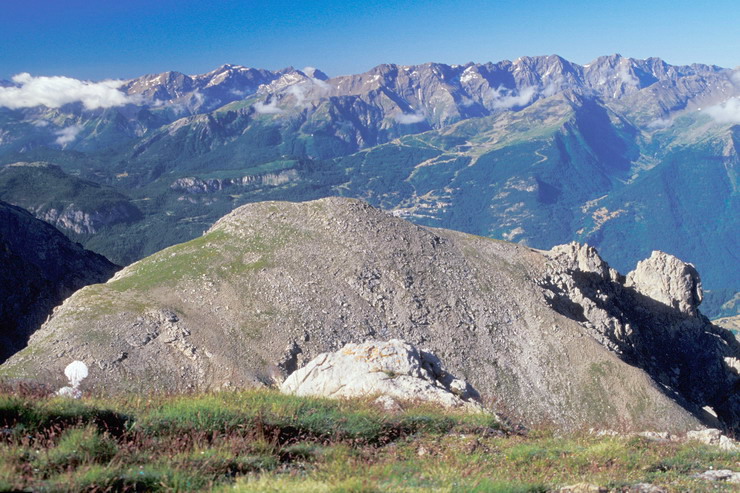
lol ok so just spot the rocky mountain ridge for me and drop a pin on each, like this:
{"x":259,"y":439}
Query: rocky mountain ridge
{"x":40,"y":268}
{"x":555,"y":336}
{"x":418,"y":97}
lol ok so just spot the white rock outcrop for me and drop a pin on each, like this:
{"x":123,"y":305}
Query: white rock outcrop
{"x":575,"y":256}
{"x":724,"y":475}
{"x":668,"y":280}
{"x":393,"y":368}
{"x":713,"y":436}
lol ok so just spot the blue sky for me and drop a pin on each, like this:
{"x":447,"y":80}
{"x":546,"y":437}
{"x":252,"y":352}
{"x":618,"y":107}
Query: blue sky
{"x":98,"y":39}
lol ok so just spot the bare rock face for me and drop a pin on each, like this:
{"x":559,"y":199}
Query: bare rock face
{"x":724,"y":475}
{"x":639,"y":317}
{"x":579,"y":284}
{"x":91,"y":221}
{"x":394,"y":369}
{"x":577,"y":257}
{"x":669,"y":280}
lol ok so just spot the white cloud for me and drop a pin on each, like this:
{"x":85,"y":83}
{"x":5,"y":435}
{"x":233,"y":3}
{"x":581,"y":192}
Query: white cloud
{"x":726,"y":112}
{"x":550,"y":89}
{"x":270,"y":108}
{"x":321,"y":84}
{"x":299,"y":94}
{"x":307,"y":90}
{"x":40,"y":123}
{"x":736,"y":77}
{"x":409,"y":118}
{"x":623,"y":72}
{"x":660,"y":123}
{"x":198,"y":102}
{"x":504,"y":98}
{"x":54,"y":92}
{"x":68,"y":134}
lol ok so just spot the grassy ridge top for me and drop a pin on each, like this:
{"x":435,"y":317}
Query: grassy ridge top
{"x":264,"y":441}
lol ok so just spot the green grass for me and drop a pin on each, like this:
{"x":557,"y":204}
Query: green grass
{"x":78,"y":446}
{"x":186,"y":260}
{"x":264,"y":441}
{"x":216,"y":253}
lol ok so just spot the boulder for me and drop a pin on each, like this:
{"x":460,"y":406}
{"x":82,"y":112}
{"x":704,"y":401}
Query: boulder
{"x":393,"y":369}
{"x":668,"y":280}
{"x":575,"y":256}
{"x":713,"y":436}
{"x":583,"y":488}
{"x":725,"y":475}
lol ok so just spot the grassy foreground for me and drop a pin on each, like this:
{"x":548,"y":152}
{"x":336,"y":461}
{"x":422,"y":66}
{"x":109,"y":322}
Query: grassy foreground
{"x":264,"y":441}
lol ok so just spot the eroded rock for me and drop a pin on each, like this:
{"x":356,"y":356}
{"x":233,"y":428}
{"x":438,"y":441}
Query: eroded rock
{"x":724,"y":475}
{"x":714,"y":437}
{"x":393,"y":369}
{"x":668,"y":280}
{"x":575,"y":256}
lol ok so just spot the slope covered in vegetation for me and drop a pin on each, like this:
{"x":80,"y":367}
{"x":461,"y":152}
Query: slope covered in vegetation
{"x":264,"y":441}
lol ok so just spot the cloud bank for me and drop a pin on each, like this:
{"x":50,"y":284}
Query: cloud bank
{"x":727,"y":112}
{"x":409,"y":118}
{"x":298,"y":93}
{"x":308,"y":90}
{"x":68,"y":134}
{"x":504,"y":98}
{"x":736,"y":77}
{"x":660,"y":123}
{"x":624,"y":74}
{"x":270,"y":108}
{"x":54,"y":92}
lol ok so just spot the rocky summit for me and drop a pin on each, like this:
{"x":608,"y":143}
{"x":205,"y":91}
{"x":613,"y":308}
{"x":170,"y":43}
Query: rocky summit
{"x":543,"y":336}
{"x":40,"y":268}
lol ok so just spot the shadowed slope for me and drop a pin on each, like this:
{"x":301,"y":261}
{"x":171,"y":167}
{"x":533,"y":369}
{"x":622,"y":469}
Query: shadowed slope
{"x":40,"y":268}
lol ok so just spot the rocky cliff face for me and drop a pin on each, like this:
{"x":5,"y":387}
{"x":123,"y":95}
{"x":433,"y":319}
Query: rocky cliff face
{"x":88,"y":221}
{"x":65,"y":201}
{"x":40,"y":268}
{"x":192,"y":185}
{"x":651,"y":319}
{"x":544,"y":336}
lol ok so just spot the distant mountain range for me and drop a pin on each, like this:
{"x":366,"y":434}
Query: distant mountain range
{"x":628,"y":155}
